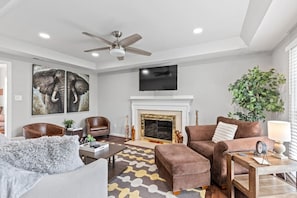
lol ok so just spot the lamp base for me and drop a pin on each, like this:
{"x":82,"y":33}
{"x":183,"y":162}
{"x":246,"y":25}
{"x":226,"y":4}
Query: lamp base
{"x":280,"y":156}
{"x":279,"y":149}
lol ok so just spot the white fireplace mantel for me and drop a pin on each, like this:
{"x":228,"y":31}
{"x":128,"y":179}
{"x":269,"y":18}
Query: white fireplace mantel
{"x":180,"y":103}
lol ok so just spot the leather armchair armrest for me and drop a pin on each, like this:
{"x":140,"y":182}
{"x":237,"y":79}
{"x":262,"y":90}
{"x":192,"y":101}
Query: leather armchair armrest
{"x":31,"y":133}
{"x":108,"y":124}
{"x":55,"y":130}
{"x":219,"y":164}
{"x":241,"y":144}
{"x":200,"y":132}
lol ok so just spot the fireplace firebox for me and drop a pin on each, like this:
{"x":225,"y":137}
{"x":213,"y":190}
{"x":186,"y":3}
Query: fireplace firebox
{"x":158,"y":127}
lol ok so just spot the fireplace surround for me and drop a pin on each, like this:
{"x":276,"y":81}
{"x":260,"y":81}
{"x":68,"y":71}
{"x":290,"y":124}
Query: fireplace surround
{"x":178,"y":106}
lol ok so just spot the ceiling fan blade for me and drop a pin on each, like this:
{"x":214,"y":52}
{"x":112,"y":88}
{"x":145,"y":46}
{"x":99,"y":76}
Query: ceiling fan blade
{"x":120,"y":58}
{"x":130,"y":40}
{"x":138,"y":51}
{"x":98,"y":37}
{"x":97,"y":49}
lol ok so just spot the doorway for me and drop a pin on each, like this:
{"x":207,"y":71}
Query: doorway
{"x":5,"y":71}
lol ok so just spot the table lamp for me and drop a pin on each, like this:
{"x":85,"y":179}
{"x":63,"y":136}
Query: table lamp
{"x":280,"y":132}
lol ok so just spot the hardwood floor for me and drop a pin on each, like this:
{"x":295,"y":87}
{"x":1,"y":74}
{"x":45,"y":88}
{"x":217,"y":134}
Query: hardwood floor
{"x":212,"y":192}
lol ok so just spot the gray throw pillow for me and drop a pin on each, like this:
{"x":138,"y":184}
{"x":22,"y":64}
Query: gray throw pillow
{"x":50,"y":155}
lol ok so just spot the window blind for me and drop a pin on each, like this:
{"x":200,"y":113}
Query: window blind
{"x":293,"y":101}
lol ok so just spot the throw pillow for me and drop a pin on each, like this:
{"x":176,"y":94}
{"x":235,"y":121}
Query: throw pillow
{"x":3,"y":139}
{"x":224,"y":131}
{"x":50,"y":155}
{"x":245,"y":128}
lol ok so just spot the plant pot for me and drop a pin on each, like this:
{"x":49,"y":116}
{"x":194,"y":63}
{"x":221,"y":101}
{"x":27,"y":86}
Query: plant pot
{"x":92,"y":143}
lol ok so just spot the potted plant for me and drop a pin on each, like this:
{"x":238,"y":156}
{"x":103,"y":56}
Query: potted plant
{"x":68,"y":123}
{"x":256,"y":93}
{"x":91,"y":139}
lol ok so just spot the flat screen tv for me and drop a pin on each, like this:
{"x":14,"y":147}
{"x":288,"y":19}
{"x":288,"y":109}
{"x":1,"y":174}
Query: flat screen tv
{"x":158,"y":78}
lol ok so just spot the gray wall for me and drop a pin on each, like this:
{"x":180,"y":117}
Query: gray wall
{"x":20,"y":113}
{"x":207,"y":81}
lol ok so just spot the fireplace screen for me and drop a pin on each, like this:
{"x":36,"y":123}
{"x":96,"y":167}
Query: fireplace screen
{"x":158,"y":127}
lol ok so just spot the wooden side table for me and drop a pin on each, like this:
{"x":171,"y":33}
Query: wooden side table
{"x":260,"y":181}
{"x":75,"y":131}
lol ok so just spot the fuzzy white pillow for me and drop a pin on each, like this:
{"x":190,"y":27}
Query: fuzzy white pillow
{"x":224,"y":131}
{"x":50,"y":155}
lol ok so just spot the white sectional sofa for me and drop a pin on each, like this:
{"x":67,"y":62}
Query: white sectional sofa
{"x":86,"y":182}
{"x":49,"y":167}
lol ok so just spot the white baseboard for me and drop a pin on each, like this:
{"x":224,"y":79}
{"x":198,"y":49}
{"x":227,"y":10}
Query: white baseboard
{"x":117,"y":134}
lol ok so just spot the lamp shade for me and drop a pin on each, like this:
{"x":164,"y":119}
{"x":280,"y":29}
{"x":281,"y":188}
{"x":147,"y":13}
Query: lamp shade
{"x":279,"y":130}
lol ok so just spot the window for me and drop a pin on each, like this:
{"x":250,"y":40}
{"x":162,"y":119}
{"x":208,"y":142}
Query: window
{"x":293,"y":101}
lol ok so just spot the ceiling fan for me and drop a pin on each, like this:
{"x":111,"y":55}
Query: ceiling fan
{"x":118,"y":48}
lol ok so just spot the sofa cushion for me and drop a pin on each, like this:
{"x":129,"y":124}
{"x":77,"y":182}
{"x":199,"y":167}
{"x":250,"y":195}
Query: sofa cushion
{"x":224,"y":131}
{"x":204,"y":148}
{"x":98,"y":128}
{"x":245,"y":129}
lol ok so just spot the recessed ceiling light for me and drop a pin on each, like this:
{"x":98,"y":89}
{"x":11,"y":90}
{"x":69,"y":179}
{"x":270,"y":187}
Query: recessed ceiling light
{"x":145,"y":71}
{"x":44,"y":35}
{"x":95,"y":54}
{"x":198,"y":30}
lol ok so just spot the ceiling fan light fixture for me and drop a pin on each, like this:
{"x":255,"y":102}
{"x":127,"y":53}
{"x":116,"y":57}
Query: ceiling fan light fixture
{"x":118,"y":47}
{"x":117,"y":51}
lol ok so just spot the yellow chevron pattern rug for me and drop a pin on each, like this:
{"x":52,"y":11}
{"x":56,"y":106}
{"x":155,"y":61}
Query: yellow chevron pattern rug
{"x":141,"y":178}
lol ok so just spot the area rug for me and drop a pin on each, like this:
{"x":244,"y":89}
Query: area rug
{"x":141,"y":178}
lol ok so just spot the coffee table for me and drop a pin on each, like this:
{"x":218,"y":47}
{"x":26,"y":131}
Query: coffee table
{"x":114,"y":168}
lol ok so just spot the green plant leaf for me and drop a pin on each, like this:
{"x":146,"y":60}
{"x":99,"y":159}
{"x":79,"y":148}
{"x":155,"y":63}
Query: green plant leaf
{"x":257,"y":92}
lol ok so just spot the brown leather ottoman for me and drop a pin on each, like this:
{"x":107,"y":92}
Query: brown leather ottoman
{"x":182,"y":167}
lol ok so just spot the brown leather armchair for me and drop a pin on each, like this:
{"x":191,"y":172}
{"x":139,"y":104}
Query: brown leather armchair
{"x":36,"y":130}
{"x":97,"y":126}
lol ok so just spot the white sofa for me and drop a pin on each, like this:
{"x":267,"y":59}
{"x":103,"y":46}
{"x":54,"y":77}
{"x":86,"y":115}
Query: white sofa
{"x":49,"y":167}
{"x":86,"y":182}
